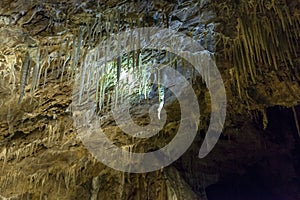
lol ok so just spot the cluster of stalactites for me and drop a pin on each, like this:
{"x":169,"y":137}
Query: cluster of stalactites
{"x":111,"y":82}
{"x":267,"y":38}
{"x":64,"y":54}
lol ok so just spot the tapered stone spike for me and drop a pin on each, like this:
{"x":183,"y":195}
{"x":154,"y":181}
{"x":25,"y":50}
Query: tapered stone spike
{"x":24,"y":76}
{"x":34,"y":83}
{"x":296,"y":120}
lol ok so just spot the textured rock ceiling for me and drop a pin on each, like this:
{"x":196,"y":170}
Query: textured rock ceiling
{"x":257,"y":50}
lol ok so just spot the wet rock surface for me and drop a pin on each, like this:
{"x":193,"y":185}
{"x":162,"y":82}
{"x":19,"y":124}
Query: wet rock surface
{"x":257,"y":156}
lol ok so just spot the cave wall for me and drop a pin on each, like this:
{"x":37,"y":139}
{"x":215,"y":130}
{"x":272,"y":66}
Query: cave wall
{"x":256,"y":49}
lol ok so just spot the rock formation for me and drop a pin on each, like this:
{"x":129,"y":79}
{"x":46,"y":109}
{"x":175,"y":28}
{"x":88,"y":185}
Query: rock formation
{"x":44,"y":45}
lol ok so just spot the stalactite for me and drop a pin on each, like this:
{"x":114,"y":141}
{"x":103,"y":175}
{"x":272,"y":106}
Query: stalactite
{"x":296,"y":120}
{"x":101,"y":98}
{"x":97,"y":87}
{"x":66,"y":58}
{"x":76,"y":50}
{"x":161,"y":93}
{"x":96,"y":27}
{"x":108,"y":100}
{"x":116,"y":98}
{"x":138,"y":46}
{"x":45,"y":57}
{"x":24,"y":76}
{"x":60,"y":59}
{"x":34,"y":83}
{"x":119,"y":61}
{"x":82,"y":79}
{"x":64,"y":67}
{"x":265,"y":119}
{"x":90,"y":81}
{"x":49,"y":61}
{"x":262,"y":40}
{"x":132,"y":42}
{"x":3,"y":155}
{"x":12,"y":76}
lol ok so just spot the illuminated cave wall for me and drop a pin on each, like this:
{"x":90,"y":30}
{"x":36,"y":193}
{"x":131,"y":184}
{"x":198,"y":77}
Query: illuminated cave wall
{"x":44,"y":43}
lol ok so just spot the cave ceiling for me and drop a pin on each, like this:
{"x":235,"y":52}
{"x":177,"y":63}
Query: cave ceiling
{"x":43,"y":44}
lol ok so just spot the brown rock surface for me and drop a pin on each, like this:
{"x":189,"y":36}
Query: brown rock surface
{"x":257,"y":54}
